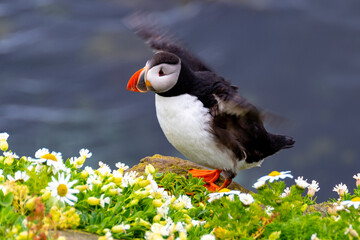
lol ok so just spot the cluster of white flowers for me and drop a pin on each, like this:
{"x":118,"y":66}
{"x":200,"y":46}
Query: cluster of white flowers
{"x":245,"y":198}
{"x":300,"y":183}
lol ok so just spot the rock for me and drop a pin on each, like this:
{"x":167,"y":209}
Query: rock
{"x":179,"y":166}
{"x":77,"y":235}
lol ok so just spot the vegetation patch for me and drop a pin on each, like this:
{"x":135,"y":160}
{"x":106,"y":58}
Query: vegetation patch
{"x":41,"y":195}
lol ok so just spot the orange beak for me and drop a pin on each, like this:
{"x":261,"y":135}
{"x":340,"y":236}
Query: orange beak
{"x":137,"y":81}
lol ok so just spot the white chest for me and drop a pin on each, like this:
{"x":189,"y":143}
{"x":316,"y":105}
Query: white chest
{"x":185,"y":123}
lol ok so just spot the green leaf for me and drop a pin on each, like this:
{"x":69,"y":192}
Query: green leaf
{"x":6,"y":200}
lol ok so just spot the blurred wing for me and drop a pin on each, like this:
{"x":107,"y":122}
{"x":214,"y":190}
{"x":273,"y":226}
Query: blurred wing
{"x":233,"y":103}
{"x":161,"y":40}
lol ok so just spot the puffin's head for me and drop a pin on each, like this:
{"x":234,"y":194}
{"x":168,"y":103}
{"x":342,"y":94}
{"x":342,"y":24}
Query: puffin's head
{"x":160,"y":74}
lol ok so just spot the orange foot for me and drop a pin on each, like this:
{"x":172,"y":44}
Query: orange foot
{"x":210,"y":176}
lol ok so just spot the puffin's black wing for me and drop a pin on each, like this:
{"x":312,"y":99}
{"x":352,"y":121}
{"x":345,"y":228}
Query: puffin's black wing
{"x":161,"y":40}
{"x":238,"y":125}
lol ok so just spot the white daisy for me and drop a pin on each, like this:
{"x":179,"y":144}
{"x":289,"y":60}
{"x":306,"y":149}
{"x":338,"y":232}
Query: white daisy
{"x":218,"y":195}
{"x":128,"y":179}
{"x":104,"y":200}
{"x":89,"y":170}
{"x":78,"y":162}
{"x":108,"y":235}
{"x":51,"y":159}
{"x":4,"y":136}
{"x":275,"y":175}
{"x":208,"y":237}
{"x":259,"y":184}
{"x":313,"y":188}
{"x":85,"y":153}
{"x":4,"y":189}
{"x":285,"y":193}
{"x":341,"y":189}
{"x":19,"y":176}
{"x":93,"y":180}
{"x":197,"y":222}
{"x":314,"y":237}
{"x":350,"y":230}
{"x":104,"y":169}
{"x":157,"y":231}
{"x":246,"y":199}
{"x":179,"y":227}
{"x":164,"y":209}
{"x":357,"y":178}
{"x":355,"y":202}
{"x":185,"y":200}
{"x":269,"y":210}
{"x":121,"y":166}
{"x":61,"y":189}
{"x":301,"y":182}
{"x":10,"y":155}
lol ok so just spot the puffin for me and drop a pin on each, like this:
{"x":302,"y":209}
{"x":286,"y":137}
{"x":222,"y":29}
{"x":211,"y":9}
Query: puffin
{"x":202,"y":114}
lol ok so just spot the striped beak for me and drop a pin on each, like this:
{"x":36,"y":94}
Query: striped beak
{"x":137,"y":81}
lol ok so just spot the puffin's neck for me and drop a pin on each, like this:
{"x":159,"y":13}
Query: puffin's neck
{"x":185,"y":84}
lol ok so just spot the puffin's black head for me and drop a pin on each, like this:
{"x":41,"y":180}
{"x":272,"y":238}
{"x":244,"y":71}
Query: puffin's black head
{"x":160,"y":74}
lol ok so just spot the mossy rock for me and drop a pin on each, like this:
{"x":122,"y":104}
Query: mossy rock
{"x":77,"y":235}
{"x":179,"y":166}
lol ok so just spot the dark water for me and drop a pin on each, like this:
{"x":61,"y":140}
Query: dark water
{"x":64,"y":66}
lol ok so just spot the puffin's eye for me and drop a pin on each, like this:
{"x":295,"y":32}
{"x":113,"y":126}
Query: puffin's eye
{"x":161,"y":73}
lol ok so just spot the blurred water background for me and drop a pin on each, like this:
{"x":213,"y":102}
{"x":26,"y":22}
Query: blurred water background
{"x":64,"y":66}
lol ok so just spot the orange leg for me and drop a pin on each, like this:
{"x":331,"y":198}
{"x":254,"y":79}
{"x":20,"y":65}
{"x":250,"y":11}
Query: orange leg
{"x":209,"y":176}
{"x":226,"y":183}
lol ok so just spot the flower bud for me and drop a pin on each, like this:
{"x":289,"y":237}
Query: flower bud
{"x":134,"y":202}
{"x":311,"y":192}
{"x":30,"y":204}
{"x":156,"y":236}
{"x":353,"y":233}
{"x":4,"y":145}
{"x":84,"y":174}
{"x":117,"y":180}
{"x":157,"y":195}
{"x":187,"y":219}
{"x":144,"y":183}
{"x":144,"y":223}
{"x":93,"y":201}
{"x":304,"y":207}
{"x":178,"y":206}
{"x":182,"y":236}
{"x":113,"y":192}
{"x":141,"y":194}
{"x":157,"y":203}
{"x":9,"y":161}
{"x":117,"y":229}
{"x":25,"y":235}
{"x":80,"y":160}
{"x":157,"y":218}
{"x":46,"y":195}
{"x":82,"y":188}
{"x":149,"y":169}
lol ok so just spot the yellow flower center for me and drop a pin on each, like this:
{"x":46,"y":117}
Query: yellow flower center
{"x":62,"y":190}
{"x":274,"y":173}
{"x":49,"y":156}
{"x":356,"y":199}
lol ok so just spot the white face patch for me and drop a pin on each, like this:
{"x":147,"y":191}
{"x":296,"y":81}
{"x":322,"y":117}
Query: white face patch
{"x":164,"y":76}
